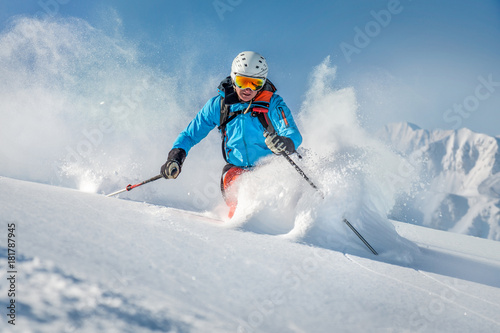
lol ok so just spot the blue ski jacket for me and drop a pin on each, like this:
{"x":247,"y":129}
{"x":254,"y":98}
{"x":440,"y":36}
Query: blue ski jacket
{"x":243,"y":138}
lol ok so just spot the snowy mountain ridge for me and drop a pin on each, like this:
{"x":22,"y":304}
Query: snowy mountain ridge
{"x":459,"y":186}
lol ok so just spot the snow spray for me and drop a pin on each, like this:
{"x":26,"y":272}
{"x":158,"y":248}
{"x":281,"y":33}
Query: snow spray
{"x":359,"y":176}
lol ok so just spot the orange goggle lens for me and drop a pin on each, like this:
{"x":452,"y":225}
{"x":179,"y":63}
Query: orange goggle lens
{"x":244,"y":82}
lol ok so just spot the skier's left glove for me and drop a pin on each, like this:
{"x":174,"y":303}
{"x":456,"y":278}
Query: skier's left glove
{"x":279,"y":144}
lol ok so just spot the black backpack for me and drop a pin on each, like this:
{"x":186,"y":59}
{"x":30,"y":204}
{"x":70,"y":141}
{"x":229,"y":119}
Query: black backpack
{"x":258,"y":107}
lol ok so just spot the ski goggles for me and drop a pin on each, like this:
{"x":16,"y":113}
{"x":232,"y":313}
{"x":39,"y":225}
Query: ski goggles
{"x":244,"y":82}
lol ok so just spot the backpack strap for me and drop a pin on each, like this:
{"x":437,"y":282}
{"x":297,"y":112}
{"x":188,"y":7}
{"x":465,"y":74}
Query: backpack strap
{"x":261,"y":106}
{"x":228,"y":98}
{"x":224,"y":115}
{"x":265,"y":121}
{"x":224,"y":120}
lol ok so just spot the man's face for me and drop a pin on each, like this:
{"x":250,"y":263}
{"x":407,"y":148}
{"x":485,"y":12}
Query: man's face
{"x":246,"y":95}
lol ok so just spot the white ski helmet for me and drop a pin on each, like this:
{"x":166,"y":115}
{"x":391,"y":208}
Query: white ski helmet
{"x":249,"y":63}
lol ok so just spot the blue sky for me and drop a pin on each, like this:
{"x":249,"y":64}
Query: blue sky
{"x":431,"y":62}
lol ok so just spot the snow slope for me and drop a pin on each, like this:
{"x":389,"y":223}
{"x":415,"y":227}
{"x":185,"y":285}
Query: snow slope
{"x":459,"y":179}
{"x":87,"y":263}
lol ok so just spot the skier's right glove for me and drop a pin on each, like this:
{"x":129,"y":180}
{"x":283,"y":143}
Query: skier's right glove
{"x":172,"y":168}
{"x":279,"y":144}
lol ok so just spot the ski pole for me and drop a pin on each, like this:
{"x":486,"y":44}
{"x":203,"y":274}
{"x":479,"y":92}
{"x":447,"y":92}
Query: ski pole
{"x":130,"y":186}
{"x":302,"y":173}
{"x":360,"y":237}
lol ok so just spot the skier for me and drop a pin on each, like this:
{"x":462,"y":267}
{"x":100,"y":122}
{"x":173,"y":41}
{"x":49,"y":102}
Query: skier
{"x":253,"y":121}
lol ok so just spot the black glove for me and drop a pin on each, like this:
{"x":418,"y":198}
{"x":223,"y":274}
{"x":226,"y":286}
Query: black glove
{"x":172,"y":168}
{"x":279,"y":144}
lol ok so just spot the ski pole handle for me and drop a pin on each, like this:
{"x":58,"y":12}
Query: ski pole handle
{"x":131,"y":187}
